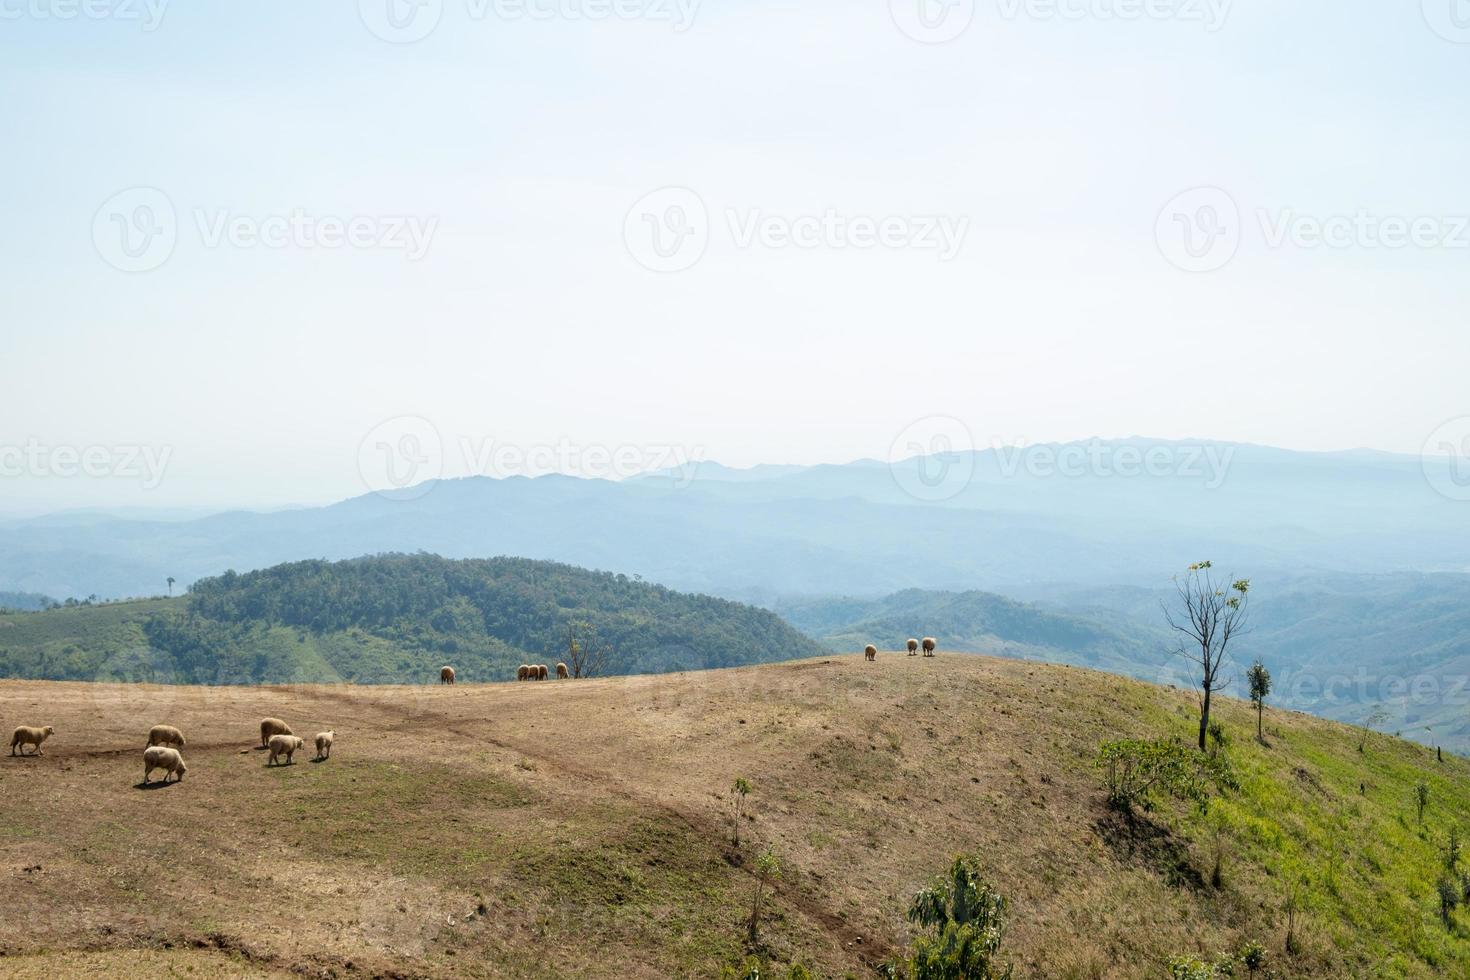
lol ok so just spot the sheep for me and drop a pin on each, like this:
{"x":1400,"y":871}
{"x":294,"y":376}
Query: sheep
{"x":561,"y":672}
{"x":272,"y":726}
{"x":913,"y":647}
{"x":523,"y":672}
{"x":25,"y":735}
{"x":929,"y":644}
{"x":541,"y":672}
{"x":162,"y":757}
{"x":165,"y":735}
{"x":446,"y":675}
{"x":870,"y":651}
{"x":324,"y":744}
{"x":286,"y":745}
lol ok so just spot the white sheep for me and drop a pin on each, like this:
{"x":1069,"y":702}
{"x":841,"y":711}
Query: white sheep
{"x":165,"y":735}
{"x":162,"y":757}
{"x":870,"y":651}
{"x":324,"y":744}
{"x":561,"y":672}
{"x":287,"y":745}
{"x":913,"y":647}
{"x":25,"y":735}
{"x":929,"y":644}
{"x":272,"y":726}
{"x":446,"y":675}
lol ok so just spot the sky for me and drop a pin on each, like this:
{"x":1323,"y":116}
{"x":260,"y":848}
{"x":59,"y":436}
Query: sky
{"x":258,"y":254}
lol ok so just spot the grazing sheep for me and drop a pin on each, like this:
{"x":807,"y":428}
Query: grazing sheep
{"x":162,"y":757}
{"x":541,"y":672}
{"x":25,"y":735}
{"x":286,"y":745}
{"x":870,"y":651}
{"x":523,"y":672}
{"x":929,"y":644}
{"x":561,"y":672}
{"x":272,"y":726}
{"x":324,"y":744}
{"x":913,"y":648}
{"x":446,"y":675}
{"x":165,"y":735}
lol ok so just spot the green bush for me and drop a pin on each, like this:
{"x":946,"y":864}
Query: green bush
{"x":1138,"y":771}
{"x":965,"y":919}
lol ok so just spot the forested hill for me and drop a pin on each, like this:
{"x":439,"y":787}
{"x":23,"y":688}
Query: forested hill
{"x":390,"y":619}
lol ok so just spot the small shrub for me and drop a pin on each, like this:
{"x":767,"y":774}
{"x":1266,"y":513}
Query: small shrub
{"x":1136,"y":771}
{"x":1219,"y":738}
{"x":1450,"y":896}
{"x":1253,"y":957}
{"x":965,"y":919}
{"x":1189,"y":968}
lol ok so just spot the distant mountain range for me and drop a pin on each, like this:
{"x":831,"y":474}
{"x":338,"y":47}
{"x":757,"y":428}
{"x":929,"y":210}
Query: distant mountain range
{"x":1096,"y":513}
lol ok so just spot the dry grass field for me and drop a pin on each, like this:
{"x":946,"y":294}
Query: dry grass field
{"x":586,"y":828}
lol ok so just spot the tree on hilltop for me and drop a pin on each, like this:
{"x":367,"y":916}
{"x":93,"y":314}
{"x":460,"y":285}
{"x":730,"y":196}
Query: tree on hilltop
{"x":1208,"y":614}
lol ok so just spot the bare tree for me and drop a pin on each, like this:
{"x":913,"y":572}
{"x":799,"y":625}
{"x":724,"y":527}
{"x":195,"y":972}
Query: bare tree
{"x":1209,"y":615}
{"x":588,"y":654}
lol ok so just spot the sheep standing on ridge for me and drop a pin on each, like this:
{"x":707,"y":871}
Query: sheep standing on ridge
{"x":286,"y":745}
{"x":324,"y":744}
{"x":446,"y":675}
{"x":272,"y":726}
{"x":25,"y":735}
{"x":541,"y":672}
{"x":165,"y":735}
{"x":929,"y":644}
{"x":913,"y":648}
{"x":523,"y":672}
{"x":162,"y":757}
{"x":561,"y":672}
{"x":871,"y":652}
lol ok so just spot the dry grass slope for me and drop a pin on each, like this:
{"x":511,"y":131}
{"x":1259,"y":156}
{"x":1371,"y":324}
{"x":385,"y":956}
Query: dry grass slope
{"x":584,"y":828}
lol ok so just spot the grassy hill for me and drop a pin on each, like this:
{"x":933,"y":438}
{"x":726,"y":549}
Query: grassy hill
{"x":388,"y":619}
{"x":975,"y":621}
{"x":586,"y":828}
{"x":1391,"y":649}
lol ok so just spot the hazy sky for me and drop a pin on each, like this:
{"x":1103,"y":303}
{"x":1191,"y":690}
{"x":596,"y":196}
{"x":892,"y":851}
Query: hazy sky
{"x":988,"y":229}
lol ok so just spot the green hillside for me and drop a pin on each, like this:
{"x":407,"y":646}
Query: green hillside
{"x":389,"y":619}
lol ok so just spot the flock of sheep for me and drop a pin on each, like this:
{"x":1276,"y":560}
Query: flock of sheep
{"x":164,"y":742}
{"x":538,"y":672}
{"x":525,"y":672}
{"x":928,"y":644}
